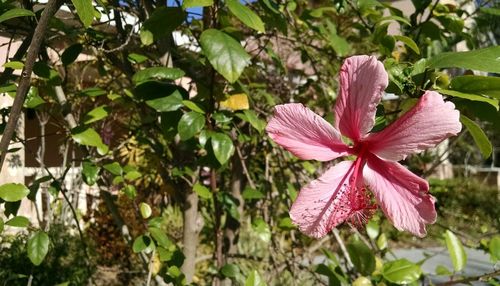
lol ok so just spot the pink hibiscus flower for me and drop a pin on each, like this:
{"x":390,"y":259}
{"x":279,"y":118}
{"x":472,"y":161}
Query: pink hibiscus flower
{"x":345,"y":191}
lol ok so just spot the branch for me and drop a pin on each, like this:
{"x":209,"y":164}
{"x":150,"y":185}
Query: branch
{"x":467,"y":280}
{"x":24,"y":84}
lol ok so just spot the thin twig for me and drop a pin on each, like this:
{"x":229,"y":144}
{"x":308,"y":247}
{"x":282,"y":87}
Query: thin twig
{"x":24,"y":83}
{"x":343,"y":248}
{"x":467,"y":280}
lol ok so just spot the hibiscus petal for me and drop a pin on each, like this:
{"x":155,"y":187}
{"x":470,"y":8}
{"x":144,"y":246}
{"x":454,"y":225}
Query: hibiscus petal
{"x":403,"y":196}
{"x":304,"y":133}
{"x":362,"y":82}
{"x":324,"y":203}
{"x":429,"y":122}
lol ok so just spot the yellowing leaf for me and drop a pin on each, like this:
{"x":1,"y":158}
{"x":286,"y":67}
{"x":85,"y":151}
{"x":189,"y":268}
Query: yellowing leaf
{"x":236,"y":102}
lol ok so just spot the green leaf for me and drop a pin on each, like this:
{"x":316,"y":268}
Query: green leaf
{"x":85,"y":11}
{"x":71,"y":53}
{"x":38,"y":247}
{"x":202,"y":191}
{"x":395,"y":18}
{"x":262,"y":230}
{"x":142,"y":243}
{"x":13,"y":192}
{"x":442,"y":270}
{"x":193,"y":106}
{"x":137,"y":58}
{"x":147,"y":37}
{"x":33,"y":99}
{"x":482,"y":142}
{"x":93,"y":92}
{"x":196,"y":3}
{"x":225,"y":54}
{"x":14,"y":13}
{"x":382,"y":242}
{"x":254,"y":279}
{"x":18,"y":221}
{"x":164,"y":20}
{"x":96,"y":114}
{"x":401,"y":271}
{"x":133,"y":175}
{"x":114,"y":168}
{"x":481,"y":85}
{"x":408,"y":42}
{"x":160,"y":237}
{"x":252,"y":194}
{"x":90,"y":172}
{"x":145,"y":210}
{"x":487,"y":59}
{"x":129,"y":191}
{"x":167,"y":103}
{"x":456,"y":250}
{"x":89,"y":137}
{"x":491,"y":11}
{"x":190,"y":124}
{"x":16,"y":65}
{"x":338,"y":44}
{"x":157,"y":73}
{"x":494,"y":247}
{"x":223,"y":147}
{"x":362,"y":257}
{"x":230,"y":270}
{"x":252,"y":118}
{"x":372,"y":229}
{"x":470,"y":96}
{"x":1,"y":225}
{"x":246,"y":15}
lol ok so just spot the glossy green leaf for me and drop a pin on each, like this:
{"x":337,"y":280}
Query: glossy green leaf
{"x":254,"y":279}
{"x":196,"y":3}
{"x":137,"y":58}
{"x":142,"y":243}
{"x":16,"y":65}
{"x":223,"y":147}
{"x":202,"y":191}
{"x":89,"y":137}
{"x":190,"y":124}
{"x":362,"y":257}
{"x":96,"y":114}
{"x":93,"y":91}
{"x":254,"y":120}
{"x":494,"y":248}
{"x":13,"y":192}
{"x":90,"y":172}
{"x":71,"y":54}
{"x":395,"y":18}
{"x":193,"y":106}
{"x":167,"y":103}
{"x":487,"y":59}
{"x":230,"y":270}
{"x":146,"y":37}
{"x":408,"y":42}
{"x":401,"y":271}
{"x":373,"y":229}
{"x":132,"y":175}
{"x":470,"y":96}
{"x":456,"y":250}
{"x":225,"y":54}
{"x":129,"y":190}
{"x":481,"y":85}
{"x":160,"y":237}
{"x":85,"y":11}
{"x":164,"y":20}
{"x":38,"y":247}
{"x":491,"y":11}
{"x":18,"y":221}
{"x":146,"y":210}
{"x":382,"y":242}
{"x":14,"y":13}
{"x":114,"y":168}
{"x":154,"y":73}
{"x":480,"y":138}
{"x":33,"y":98}
{"x":442,"y":270}
{"x":245,"y":15}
